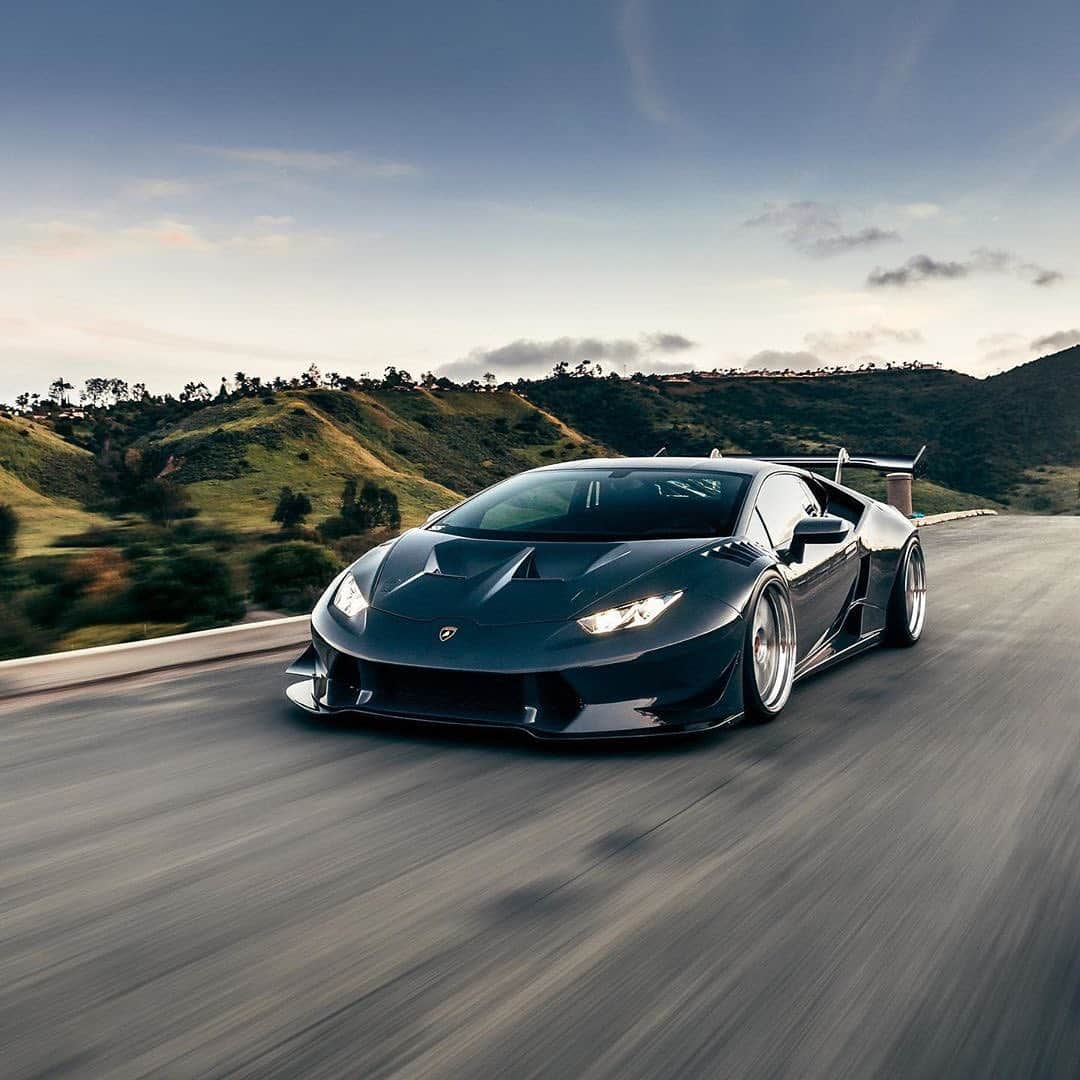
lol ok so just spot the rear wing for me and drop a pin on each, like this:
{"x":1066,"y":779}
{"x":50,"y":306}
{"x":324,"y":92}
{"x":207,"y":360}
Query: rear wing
{"x":842,"y":459}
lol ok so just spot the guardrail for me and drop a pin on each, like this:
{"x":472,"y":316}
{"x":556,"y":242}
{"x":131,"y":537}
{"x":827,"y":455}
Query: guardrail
{"x":80,"y":667}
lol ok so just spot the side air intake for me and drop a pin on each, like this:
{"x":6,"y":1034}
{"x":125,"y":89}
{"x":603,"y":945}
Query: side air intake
{"x":740,"y":551}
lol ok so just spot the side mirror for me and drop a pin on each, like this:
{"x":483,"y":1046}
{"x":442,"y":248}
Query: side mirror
{"x":817,"y":530}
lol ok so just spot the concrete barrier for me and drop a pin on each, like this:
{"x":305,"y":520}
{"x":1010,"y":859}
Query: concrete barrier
{"x":954,"y":515}
{"x":79,"y":667}
{"x":82,"y":666}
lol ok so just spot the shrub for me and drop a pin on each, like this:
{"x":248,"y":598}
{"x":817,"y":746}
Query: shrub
{"x":292,"y":507}
{"x":290,"y":576}
{"x":350,"y":548}
{"x":18,"y":634}
{"x":9,"y":531}
{"x":182,"y":587}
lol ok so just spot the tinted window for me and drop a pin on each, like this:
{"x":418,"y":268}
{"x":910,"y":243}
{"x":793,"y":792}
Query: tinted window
{"x":603,"y":504}
{"x":783,"y":502}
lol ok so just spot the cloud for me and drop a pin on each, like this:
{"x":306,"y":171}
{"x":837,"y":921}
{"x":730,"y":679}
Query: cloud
{"x":668,"y":343}
{"x":279,"y":243}
{"x":633,"y":27}
{"x":816,"y":229}
{"x":167,"y":233}
{"x":311,"y":161}
{"x":1060,"y":339}
{"x":921,"y":211}
{"x":851,"y":344}
{"x":58,"y":240}
{"x":274,"y":221}
{"x":778,"y":360}
{"x":121,"y":330}
{"x":159,"y":189}
{"x":1001,"y":350}
{"x":917,"y":268}
{"x":921,"y":268}
{"x":525,"y":357}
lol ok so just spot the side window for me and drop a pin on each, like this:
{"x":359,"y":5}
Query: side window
{"x":813,"y":504}
{"x":783,"y":502}
{"x":755,"y":530}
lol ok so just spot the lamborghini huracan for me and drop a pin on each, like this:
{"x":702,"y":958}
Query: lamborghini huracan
{"x":618,"y":597}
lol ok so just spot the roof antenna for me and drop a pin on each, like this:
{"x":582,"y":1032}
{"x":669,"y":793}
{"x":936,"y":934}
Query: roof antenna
{"x":714,"y":453}
{"x":661,"y":452}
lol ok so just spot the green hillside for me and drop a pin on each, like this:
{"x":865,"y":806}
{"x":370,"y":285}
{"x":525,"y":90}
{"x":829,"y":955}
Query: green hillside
{"x":429,"y":448}
{"x":47,"y":481}
{"x":983,"y":436}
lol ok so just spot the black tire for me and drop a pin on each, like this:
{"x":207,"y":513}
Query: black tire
{"x":906,"y":617}
{"x":769,"y":605}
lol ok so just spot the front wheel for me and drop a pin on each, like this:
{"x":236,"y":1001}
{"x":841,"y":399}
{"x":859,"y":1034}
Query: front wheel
{"x":907,"y":604}
{"x":769,"y":652}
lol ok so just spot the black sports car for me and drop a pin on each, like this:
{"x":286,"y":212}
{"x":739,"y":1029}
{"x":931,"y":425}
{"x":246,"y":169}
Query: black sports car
{"x":619,"y":597}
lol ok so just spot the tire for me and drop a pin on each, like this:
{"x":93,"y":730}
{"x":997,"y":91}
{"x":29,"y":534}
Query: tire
{"x":768,"y":667}
{"x":906,"y":617}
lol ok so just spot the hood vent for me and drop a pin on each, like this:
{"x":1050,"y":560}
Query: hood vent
{"x":526,"y":569}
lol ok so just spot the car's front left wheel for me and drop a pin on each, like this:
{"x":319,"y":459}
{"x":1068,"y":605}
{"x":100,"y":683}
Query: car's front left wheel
{"x":769,"y":651}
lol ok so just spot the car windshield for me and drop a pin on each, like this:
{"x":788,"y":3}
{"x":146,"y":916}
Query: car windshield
{"x":603,"y":504}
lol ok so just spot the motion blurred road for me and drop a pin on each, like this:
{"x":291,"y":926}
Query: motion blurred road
{"x":196,"y":881}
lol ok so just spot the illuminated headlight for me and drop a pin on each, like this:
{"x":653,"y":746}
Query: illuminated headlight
{"x":348,"y":599}
{"x":639,"y":613}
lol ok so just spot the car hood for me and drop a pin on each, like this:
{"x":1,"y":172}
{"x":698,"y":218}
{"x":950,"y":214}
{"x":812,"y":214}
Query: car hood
{"x":429,"y":575}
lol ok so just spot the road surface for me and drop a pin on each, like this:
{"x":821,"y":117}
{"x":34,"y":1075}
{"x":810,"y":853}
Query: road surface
{"x":197,"y":882}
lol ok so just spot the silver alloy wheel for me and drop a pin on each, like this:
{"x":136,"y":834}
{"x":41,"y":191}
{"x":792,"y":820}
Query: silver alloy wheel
{"x":773,"y":647}
{"x":915,"y":592}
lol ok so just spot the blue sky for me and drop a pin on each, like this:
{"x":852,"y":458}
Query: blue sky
{"x":193,"y":189}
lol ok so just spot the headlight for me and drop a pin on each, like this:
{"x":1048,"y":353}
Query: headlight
{"x":348,"y":599}
{"x":639,"y":613}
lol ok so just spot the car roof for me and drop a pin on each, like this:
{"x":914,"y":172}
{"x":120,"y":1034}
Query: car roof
{"x":744,"y":466}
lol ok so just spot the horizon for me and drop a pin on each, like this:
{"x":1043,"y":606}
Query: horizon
{"x":492,"y":189}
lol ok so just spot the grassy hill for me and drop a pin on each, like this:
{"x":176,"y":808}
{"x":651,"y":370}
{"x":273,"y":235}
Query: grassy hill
{"x":429,"y":448}
{"x":983,"y":436}
{"x":47,"y":481}
{"x":153,"y":569}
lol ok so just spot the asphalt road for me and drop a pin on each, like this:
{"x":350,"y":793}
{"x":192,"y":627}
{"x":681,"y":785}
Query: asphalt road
{"x":197,"y":882}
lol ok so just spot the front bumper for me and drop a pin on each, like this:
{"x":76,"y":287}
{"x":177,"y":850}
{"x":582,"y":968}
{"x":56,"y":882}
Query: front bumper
{"x":494,"y":679}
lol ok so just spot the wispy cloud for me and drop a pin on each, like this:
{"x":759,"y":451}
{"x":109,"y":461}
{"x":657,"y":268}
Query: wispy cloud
{"x":106,"y":329}
{"x":921,"y":268}
{"x":849,"y":344}
{"x":816,"y":229}
{"x":310,"y":161}
{"x":526,"y":357}
{"x":634,"y":32}
{"x":826,"y":348}
{"x":166,"y":233}
{"x":909,"y":38}
{"x":158,"y":188}
{"x":779,"y":360}
{"x":61,"y":240}
{"x":921,"y":211}
{"x":275,"y":221}
{"x":1060,"y":339}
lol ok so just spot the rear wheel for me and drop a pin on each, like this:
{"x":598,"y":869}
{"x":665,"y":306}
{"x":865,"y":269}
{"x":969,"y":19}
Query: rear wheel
{"x":769,"y":651}
{"x":907,"y":604}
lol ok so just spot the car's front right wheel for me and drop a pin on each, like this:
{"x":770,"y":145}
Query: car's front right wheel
{"x":769,"y":651}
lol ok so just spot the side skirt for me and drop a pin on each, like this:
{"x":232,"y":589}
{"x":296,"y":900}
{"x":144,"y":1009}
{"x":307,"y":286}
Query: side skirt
{"x":828,"y":656}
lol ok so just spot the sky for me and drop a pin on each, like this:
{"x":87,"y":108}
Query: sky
{"x":190,"y":190}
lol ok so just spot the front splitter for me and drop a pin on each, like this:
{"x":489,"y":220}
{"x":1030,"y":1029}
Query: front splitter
{"x":302,"y":695}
